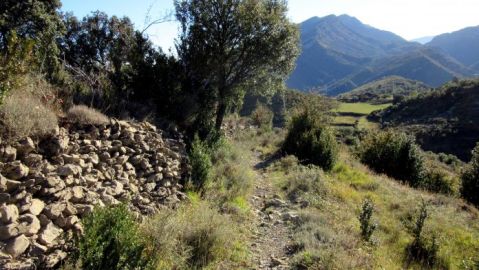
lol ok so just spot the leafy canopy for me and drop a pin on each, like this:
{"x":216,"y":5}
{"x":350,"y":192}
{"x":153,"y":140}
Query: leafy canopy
{"x":227,"y":46}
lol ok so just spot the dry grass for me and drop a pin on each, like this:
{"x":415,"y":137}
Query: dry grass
{"x":195,"y":236}
{"x":24,"y":115}
{"x":84,"y":115}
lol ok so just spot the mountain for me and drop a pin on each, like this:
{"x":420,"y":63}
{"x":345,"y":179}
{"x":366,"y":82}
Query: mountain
{"x":462,"y":45}
{"x":333,"y":47}
{"x":444,"y":120}
{"x":423,"y":40}
{"x":339,"y":53}
{"x":384,"y":90}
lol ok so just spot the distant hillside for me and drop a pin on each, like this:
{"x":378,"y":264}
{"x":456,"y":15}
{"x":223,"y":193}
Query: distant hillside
{"x":339,"y":53}
{"x":333,"y":47}
{"x":383,"y":90}
{"x":462,"y":45}
{"x":444,"y":120}
{"x":428,"y":65}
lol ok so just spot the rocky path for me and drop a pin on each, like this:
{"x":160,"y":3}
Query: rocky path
{"x":272,"y":234}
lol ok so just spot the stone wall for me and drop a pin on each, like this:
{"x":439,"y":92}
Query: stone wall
{"x":48,"y":185}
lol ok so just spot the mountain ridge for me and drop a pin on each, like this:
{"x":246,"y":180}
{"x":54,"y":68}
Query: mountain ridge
{"x":341,"y":53}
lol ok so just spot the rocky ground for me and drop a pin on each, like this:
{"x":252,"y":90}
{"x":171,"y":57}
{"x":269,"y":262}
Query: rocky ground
{"x":272,"y":241}
{"x":47,"y":185}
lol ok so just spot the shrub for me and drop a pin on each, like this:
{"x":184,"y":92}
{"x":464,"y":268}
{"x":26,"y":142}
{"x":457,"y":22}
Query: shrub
{"x":111,"y":241}
{"x":25,"y":115}
{"x":367,"y":227}
{"x":394,"y":154}
{"x":85,"y":115}
{"x":200,"y":161}
{"x":262,"y":117}
{"x":422,"y":249}
{"x":191,"y":237}
{"x":231,"y":175}
{"x":311,"y":141}
{"x":440,"y":181}
{"x":470,"y":179}
{"x":304,"y":184}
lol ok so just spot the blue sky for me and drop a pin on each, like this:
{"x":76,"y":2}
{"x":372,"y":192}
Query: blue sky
{"x":407,"y":18}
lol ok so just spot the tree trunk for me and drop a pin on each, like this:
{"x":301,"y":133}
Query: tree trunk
{"x":220,"y":115}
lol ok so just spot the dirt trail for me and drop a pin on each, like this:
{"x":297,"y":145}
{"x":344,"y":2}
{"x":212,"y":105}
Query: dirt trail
{"x":272,"y":239}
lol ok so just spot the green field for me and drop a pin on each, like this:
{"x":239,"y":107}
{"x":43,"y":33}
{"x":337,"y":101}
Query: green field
{"x":359,"y":108}
{"x":348,"y":113}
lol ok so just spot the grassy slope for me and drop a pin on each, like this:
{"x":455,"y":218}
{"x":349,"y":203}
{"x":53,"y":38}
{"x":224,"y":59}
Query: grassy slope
{"x":384,"y":89}
{"x":329,"y":228}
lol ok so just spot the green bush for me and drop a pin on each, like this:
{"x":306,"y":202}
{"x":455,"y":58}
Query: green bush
{"x":440,"y":181}
{"x":423,"y":249}
{"x":470,"y":179}
{"x":311,"y":140}
{"x":200,"y":161}
{"x":394,"y":154}
{"x":367,"y":227}
{"x":111,"y":241}
{"x":262,"y":117}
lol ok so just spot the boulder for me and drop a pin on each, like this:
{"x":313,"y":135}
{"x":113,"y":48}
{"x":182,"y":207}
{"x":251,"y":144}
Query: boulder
{"x":8,"y":213}
{"x":69,"y":170}
{"x":49,"y":234}
{"x":54,"y":210}
{"x":36,"y":207}
{"x":7,"y":185}
{"x":8,"y":153}
{"x":17,"y":246}
{"x":15,"y":170}
{"x":29,"y":225}
{"x":8,"y":231}
{"x":25,"y":146}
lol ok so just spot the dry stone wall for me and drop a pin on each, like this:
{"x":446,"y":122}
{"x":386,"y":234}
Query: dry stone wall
{"x":48,"y":185}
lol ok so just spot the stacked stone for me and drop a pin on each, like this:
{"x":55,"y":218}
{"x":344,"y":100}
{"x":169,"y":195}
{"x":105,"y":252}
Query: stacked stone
{"x":47,"y":186}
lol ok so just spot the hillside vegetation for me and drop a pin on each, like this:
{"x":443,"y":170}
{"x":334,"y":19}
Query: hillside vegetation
{"x":444,"y":120}
{"x":384,"y":90}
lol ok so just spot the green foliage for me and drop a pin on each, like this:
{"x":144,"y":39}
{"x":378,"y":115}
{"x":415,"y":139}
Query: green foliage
{"x":191,"y":237}
{"x":262,"y":117}
{"x":394,"y":154}
{"x":470,"y":179}
{"x":440,"y":181}
{"x":111,"y":240}
{"x":311,"y":140}
{"x":14,"y":63}
{"x":422,"y":249}
{"x":38,"y":21}
{"x":367,"y":227}
{"x":200,"y":161}
{"x":253,"y":46}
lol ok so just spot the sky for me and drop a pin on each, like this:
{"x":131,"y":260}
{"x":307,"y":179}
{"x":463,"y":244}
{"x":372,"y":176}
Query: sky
{"x":408,"y":18}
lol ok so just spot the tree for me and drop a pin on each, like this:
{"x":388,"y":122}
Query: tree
{"x":227,"y":46}
{"x":36,"y":20}
{"x":470,"y":179}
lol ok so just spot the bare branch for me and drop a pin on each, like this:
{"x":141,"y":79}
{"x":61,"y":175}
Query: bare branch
{"x":166,"y":17}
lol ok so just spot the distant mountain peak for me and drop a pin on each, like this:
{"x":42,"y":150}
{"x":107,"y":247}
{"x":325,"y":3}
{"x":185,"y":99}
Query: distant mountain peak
{"x":339,"y":53}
